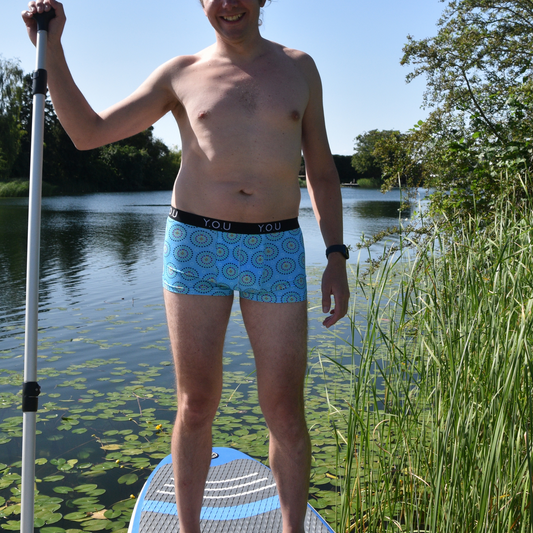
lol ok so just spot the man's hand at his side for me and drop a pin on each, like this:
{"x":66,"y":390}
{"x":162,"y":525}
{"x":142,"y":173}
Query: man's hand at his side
{"x":335,"y":283}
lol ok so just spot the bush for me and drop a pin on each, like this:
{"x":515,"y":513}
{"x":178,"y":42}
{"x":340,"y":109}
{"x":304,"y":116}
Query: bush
{"x":20,"y":188}
{"x":368,"y":183}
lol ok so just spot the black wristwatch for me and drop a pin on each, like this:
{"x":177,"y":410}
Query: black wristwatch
{"x":342,"y":248}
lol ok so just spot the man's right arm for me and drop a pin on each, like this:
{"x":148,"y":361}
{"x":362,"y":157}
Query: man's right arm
{"x":88,"y":129}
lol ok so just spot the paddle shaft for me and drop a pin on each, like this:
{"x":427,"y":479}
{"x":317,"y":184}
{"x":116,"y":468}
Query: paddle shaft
{"x":31,"y":388}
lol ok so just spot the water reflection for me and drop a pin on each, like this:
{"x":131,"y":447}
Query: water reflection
{"x":74,"y":246}
{"x":372,"y":209}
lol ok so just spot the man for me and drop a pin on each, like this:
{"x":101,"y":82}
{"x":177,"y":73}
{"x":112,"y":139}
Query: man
{"x":245,"y":107}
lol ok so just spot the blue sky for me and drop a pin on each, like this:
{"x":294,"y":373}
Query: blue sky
{"x":357,"y":45}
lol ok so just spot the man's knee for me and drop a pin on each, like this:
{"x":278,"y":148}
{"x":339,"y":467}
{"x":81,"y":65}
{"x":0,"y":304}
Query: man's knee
{"x":196,"y":411}
{"x":284,"y":418}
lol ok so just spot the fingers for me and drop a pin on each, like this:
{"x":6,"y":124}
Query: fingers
{"x":341,"y":297}
{"x":39,"y":6}
{"x":339,"y":311}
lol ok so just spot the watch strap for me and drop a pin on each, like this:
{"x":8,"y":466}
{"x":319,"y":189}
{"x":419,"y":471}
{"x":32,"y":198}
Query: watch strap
{"x":341,"y":248}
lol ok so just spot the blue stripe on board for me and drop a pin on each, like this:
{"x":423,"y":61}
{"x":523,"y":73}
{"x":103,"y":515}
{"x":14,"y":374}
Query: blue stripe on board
{"x":235,"y":512}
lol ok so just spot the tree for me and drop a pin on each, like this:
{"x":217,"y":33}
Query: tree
{"x":10,"y":97}
{"x":480,"y":92}
{"x":381,"y":154}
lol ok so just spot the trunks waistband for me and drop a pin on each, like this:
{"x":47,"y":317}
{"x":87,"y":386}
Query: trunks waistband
{"x":233,"y":227}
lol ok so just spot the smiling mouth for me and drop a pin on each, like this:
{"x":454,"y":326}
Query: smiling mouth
{"x":233,"y":18}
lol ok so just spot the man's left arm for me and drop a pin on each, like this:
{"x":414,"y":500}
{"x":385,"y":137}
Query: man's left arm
{"x":324,"y":189}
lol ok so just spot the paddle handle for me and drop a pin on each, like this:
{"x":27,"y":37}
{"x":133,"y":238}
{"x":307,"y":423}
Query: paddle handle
{"x":43,"y":19}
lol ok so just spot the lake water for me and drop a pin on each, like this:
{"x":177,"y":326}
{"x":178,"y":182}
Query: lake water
{"x":102,"y":327}
{"x":101,"y":248}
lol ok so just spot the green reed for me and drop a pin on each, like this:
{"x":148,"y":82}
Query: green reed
{"x":436,"y":434}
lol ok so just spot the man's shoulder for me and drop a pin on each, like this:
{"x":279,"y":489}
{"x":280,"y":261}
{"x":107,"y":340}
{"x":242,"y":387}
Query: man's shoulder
{"x":182,"y":62}
{"x":302,"y":59}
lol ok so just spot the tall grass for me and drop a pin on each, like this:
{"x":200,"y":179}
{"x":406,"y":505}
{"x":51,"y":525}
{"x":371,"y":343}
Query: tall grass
{"x":436,"y":435}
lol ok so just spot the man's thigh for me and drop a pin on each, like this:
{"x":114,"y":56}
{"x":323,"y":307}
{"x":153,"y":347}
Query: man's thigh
{"x":278,"y":334}
{"x":197,"y":327}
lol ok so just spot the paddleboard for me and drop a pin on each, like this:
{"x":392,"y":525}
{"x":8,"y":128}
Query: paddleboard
{"x":240,"y":496}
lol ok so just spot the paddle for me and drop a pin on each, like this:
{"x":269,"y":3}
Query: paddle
{"x":31,"y":389}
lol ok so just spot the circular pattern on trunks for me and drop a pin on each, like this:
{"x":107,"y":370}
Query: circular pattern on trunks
{"x":247,"y":279}
{"x":267,"y":274}
{"x":222,"y":252}
{"x":271,"y":251}
{"x":267,"y":297}
{"x":203,"y":287}
{"x":300,"y":281}
{"x":275,"y":236}
{"x":258,"y":259}
{"x":183,"y":253}
{"x":230,"y":271}
{"x":189,"y":273}
{"x":166,"y":249}
{"x":230,"y":238}
{"x":240,"y":255}
{"x":291,"y":297}
{"x":177,"y":232}
{"x":280,"y":286}
{"x":252,"y":241}
{"x":286,"y":266}
{"x":201,"y":239}
{"x":206,"y":259}
{"x":301,"y":260}
{"x":210,"y":278}
{"x":290,"y":245}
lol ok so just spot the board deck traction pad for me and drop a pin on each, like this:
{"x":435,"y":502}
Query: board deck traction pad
{"x":240,"y":497}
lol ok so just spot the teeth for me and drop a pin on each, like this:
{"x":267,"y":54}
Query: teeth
{"x":233,"y":18}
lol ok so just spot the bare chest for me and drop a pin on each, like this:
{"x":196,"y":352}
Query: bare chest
{"x":229,"y":95}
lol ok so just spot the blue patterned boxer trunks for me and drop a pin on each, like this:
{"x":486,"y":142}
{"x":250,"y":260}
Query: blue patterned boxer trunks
{"x":265,"y":266}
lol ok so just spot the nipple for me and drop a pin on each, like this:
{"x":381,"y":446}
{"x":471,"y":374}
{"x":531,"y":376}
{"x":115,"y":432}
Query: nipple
{"x":295,"y":116}
{"x":203,"y":115}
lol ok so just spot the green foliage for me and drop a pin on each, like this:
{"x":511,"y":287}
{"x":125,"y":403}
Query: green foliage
{"x":10,"y":96}
{"x":364,"y":160}
{"x":480,"y":92}
{"x":366,"y":183}
{"x":20,"y":188}
{"x":382,"y":153}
